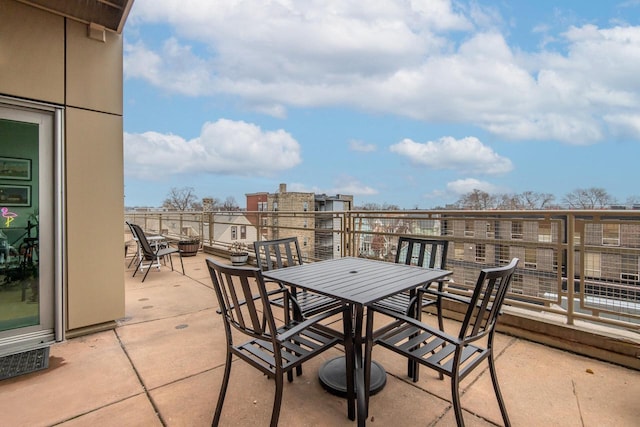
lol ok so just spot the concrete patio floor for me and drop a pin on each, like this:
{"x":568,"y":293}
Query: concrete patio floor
{"x":163,"y":364}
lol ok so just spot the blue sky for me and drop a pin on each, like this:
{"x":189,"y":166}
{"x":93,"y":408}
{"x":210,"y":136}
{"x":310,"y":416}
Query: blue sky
{"x":404,"y":102}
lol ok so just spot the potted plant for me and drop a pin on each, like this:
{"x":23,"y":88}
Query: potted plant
{"x":239,"y":253}
{"x":189,"y":247}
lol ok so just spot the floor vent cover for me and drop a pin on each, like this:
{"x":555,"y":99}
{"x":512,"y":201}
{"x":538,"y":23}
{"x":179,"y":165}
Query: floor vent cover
{"x":24,"y":363}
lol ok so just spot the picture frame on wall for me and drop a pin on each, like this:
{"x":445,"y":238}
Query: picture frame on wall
{"x":15,"y":168}
{"x":15,"y":195}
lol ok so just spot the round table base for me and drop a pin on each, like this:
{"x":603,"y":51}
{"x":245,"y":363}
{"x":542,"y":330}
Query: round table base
{"x":332,"y":376}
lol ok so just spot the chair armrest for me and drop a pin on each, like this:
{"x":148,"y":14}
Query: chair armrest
{"x":308,"y":322}
{"x":440,"y":292}
{"x":414,"y":322}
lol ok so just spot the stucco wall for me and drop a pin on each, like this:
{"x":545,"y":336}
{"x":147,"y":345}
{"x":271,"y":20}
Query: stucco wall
{"x":49,"y":58}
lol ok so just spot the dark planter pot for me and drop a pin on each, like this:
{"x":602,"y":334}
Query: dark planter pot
{"x":188,"y":247}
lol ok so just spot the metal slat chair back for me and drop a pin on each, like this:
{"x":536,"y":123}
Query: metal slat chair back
{"x":427,"y":253}
{"x":278,"y":253}
{"x":241,"y":295}
{"x":486,"y":301}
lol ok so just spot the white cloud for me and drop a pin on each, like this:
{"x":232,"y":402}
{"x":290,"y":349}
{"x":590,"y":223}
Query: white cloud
{"x":624,"y":125}
{"x":427,"y":60}
{"x":175,"y":69}
{"x":464,"y":186}
{"x":467,"y":155}
{"x":351,"y":186}
{"x":345,"y":185}
{"x":224,"y":147}
{"x":361,"y":146}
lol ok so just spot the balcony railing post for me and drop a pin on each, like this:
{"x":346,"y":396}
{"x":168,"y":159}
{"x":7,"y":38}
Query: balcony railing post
{"x":571,"y":251}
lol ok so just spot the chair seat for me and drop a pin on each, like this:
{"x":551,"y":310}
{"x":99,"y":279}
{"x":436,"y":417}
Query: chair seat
{"x":400,"y":302}
{"x":431,"y":350}
{"x":167,"y":251}
{"x":297,"y":349}
{"x":309,"y":303}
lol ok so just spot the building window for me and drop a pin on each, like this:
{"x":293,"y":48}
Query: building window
{"x":629,"y":267}
{"x":305,"y":206}
{"x":517,"y":284}
{"x":243,"y":232}
{"x":504,"y":256}
{"x":306,"y":223}
{"x":234,"y":232}
{"x":491,"y":231}
{"x":305,"y":241}
{"x":611,"y":234}
{"x":458,"y":251}
{"x":262,"y":206}
{"x":592,"y":264}
{"x":275,"y":206}
{"x":530,"y":259}
{"x":469,"y":231}
{"x":544,"y":232}
{"x":516,"y":230}
{"x":481,"y":252}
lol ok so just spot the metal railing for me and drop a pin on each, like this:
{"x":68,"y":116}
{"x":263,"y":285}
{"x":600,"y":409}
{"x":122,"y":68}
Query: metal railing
{"x":575,"y":264}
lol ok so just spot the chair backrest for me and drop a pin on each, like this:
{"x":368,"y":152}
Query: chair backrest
{"x":147,"y":250}
{"x":428,"y":253}
{"x":133,"y":233}
{"x":486,"y":302}
{"x":243,"y":299}
{"x":278,"y":253}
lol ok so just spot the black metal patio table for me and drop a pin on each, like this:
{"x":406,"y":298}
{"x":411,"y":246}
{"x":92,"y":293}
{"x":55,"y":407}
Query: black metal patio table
{"x":358,"y":282}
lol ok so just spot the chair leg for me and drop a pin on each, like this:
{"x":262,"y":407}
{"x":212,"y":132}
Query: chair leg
{"x":181,"y":263}
{"x":455,"y":399}
{"x":440,"y":322}
{"x":368,"y":348}
{"x":147,"y":272}
{"x":496,"y":388}
{"x":223,"y":390}
{"x":297,"y":315}
{"x":137,"y":268}
{"x":414,"y":311}
{"x":136,"y":255}
{"x":277,"y":401}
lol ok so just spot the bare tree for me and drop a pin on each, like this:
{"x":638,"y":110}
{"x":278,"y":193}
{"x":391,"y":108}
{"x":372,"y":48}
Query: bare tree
{"x":378,"y":207}
{"x":588,"y":198}
{"x":534,"y":200}
{"x":477,"y":200}
{"x":230,"y":204}
{"x":509,"y":201}
{"x":180,"y":198}
{"x":633,"y":201}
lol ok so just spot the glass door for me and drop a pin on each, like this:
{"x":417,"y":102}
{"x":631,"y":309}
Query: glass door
{"x":27,"y":287}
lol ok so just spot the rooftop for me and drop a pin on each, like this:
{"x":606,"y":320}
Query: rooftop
{"x":162,"y":366}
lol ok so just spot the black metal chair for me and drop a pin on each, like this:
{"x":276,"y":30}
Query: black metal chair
{"x":285,"y":252}
{"x":245,"y":304}
{"x":155,"y":241}
{"x":428,"y":253}
{"x":149,"y":254}
{"x":453,"y":356}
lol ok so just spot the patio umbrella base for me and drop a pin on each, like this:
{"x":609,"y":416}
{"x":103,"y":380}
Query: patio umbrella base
{"x":332,"y":376}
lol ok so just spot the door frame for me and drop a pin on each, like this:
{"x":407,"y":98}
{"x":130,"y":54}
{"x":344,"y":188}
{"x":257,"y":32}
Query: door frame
{"x":54,"y":134}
